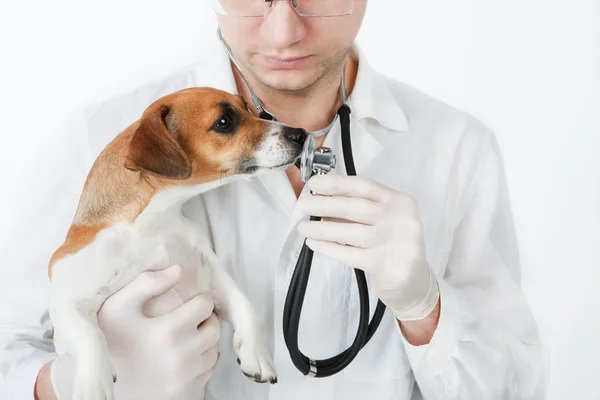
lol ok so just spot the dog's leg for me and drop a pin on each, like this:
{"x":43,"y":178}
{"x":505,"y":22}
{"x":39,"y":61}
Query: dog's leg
{"x":234,"y":307}
{"x":79,"y":288}
{"x":76,"y":320}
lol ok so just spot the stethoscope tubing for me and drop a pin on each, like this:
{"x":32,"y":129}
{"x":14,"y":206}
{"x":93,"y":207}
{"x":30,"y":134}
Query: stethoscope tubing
{"x":299,"y":280}
{"x":297,"y":291}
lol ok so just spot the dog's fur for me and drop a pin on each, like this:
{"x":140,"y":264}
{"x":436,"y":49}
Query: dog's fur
{"x":129,"y":220}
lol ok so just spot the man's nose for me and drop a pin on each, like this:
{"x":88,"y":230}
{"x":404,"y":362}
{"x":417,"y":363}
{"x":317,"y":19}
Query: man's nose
{"x":282,"y":26}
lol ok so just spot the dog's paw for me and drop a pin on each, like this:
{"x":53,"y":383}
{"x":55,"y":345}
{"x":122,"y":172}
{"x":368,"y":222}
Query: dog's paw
{"x":255,"y":361}
{"x":95,"y":382}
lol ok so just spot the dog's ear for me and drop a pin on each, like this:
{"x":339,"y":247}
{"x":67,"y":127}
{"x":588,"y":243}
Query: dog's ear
{"x":154,"y":148}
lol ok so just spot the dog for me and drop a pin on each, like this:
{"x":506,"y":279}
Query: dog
{"x":129,"y":220}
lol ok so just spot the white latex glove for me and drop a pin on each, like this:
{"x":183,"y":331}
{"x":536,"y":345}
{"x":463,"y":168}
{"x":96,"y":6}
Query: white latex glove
{"x":170,"y":356}
{"x":371,"y":227}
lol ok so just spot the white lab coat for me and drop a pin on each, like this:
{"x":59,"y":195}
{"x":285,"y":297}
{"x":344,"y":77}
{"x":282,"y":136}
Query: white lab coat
{"x":486,"y":345}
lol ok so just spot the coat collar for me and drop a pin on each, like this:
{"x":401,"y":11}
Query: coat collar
{"x":372,"y":97}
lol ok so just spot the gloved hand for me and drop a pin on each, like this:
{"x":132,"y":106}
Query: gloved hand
{"x":369,"y":226}
{"x":165,"y":357}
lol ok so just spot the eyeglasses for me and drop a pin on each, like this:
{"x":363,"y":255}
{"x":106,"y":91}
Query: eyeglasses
{"x":304,"y":8}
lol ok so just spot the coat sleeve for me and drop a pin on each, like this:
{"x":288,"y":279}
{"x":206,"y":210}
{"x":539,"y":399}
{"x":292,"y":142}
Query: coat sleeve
{"x":42,"y":210}
{"x":487,"y":344}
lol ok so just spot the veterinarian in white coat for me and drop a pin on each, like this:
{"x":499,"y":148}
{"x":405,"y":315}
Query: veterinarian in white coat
{"x":480,"y":342}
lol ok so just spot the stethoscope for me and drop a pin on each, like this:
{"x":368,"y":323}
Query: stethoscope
{"x":319,"y":161}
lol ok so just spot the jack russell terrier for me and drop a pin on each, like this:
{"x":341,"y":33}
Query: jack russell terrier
{"x":129,"y":220}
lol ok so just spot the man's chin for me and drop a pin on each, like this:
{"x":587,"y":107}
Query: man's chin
{"x":287,"y":81}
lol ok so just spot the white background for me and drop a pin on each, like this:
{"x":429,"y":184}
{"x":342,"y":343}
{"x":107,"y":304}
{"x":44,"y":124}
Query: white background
{"x":527,"y":68}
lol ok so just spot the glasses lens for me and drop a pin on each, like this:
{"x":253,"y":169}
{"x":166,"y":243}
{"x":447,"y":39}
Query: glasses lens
{"x":324,"y":8}
{"x":258,"y":8}
{"x":241,"y":8}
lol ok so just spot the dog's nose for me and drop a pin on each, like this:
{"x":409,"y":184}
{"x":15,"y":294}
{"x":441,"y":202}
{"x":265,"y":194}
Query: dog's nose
{"x":297,"y":135}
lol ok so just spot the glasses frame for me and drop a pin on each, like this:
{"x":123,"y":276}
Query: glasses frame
{"x":217,"y":8}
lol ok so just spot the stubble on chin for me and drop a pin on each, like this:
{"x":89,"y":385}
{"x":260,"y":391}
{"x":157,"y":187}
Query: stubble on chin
{"x":326,"y":67}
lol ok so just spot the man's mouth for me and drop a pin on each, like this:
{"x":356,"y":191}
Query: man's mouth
{"x":285,"y":63}
{"x":285,"y":59}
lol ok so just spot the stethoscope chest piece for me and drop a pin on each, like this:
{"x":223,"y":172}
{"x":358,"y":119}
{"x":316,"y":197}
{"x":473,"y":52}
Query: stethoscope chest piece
{"x":315,"y":161}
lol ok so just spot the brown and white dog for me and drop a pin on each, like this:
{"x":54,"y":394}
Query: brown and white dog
{"x":129,"y":220}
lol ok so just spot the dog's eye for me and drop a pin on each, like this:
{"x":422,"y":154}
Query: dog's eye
{"x":224,"y":124}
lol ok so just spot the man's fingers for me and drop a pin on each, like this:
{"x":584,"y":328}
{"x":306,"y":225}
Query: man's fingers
{"x":203,"y":379}
{"x":355,"y":209}
{"x":190,"y":314}
{"x":351,"y":256}
{"x":148,"y":285}
{"x":350,"y":186}
{"x":209,"y":333}
{"x":208,"y":358}
{"x":352,"y":234}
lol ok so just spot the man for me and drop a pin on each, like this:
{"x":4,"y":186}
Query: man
{"x":428,"y":218}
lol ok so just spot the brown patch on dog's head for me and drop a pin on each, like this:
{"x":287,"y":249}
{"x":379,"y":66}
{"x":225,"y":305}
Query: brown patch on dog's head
{"x":201,"y":134}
